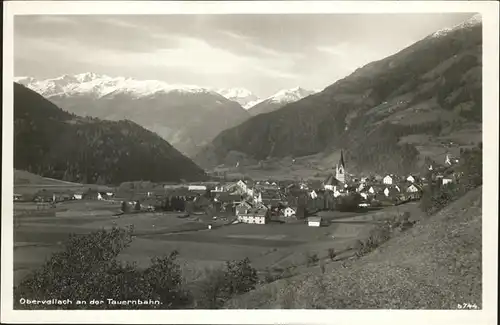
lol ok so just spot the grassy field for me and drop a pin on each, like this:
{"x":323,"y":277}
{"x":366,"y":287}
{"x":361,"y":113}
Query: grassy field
{"x":28,"y":183}
{"x":39,"y":233}
{"x":434,"y":265}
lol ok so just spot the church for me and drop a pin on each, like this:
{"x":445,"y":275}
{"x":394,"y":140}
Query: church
{"x":340,"y":178}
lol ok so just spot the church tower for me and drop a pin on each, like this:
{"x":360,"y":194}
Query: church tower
{"x":340,"y":174}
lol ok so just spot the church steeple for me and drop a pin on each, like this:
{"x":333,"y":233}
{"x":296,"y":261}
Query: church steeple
{"x":341,"y":161}
{"x":340,"y":170}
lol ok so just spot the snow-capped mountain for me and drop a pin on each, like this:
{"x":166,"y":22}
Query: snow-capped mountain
{"x":184,"y":115}
{"x":280,"y":99}
{"x":99,"y":85}
{"x":473,"y":21}
{"x":240,"y":95}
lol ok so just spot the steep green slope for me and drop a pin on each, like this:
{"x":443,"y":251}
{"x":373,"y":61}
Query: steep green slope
{"x":53,"y":143}
{"x":431,"y":88}
{"x":434,"y":265}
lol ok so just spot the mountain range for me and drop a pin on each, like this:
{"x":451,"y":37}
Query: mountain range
{"x":390,"y":115}
{"x":279,"y":100}
{"x":187,"y":116}
{"x":53,"y":143}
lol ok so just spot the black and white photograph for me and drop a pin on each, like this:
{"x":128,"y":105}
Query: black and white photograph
{"x":250,"y":156}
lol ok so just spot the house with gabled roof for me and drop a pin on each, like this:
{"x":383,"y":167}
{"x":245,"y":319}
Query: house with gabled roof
{"x":254,"y":215}
{"x":331,"y":183}
{"x":388,"y":179}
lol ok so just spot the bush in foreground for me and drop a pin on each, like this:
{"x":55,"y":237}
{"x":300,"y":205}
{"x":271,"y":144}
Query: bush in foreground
{"x":88,"y":270}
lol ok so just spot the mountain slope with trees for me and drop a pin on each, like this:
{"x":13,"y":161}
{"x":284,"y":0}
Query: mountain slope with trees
{"x":188,"y":117}
{"x":53,"y":143}
{"x":432,"y":88}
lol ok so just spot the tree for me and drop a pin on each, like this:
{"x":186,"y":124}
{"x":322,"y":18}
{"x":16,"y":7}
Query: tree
{"x":124,"y":207}
{"x":87,"y":269}
{"x":164,"y":279}
{"x":241,"y":277}
{"x":137,"y":206}
{"x":349,"y":202}
{"x":311,"y":259}
{"x":331,"y":253}
{"x":211,"y":290}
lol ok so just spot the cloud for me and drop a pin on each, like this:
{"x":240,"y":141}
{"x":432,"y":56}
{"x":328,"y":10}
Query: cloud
{"x":263,"y":52}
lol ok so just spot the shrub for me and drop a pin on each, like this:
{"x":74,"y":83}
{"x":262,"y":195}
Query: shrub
{"x":124,"y":207}
{"x":87,"y":269}
{"x":311,"y":259}
{"x":219,"y":285}
{"x":211,"y":291}
{"x":331,"y":253}
{"x":349,"y":202}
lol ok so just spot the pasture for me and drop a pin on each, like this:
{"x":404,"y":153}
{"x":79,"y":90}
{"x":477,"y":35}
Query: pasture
{"x":40,"y":233}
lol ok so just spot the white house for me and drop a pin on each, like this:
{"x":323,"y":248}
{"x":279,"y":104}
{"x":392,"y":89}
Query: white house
{"x":387,"y":180}
{"x":337,"y":193}
{"x":412,"y":189}
{"x":77,"y":196}
{"x":288,"y":212}
{"x":410,"y":179}
{"x":99,"y":196}
{"x":255,"y":216}
{"x":313,"y":194}
{"x":218,"y":189}
{"x":364,"y":195}
{"x":314,"y":221}
{"x":447,"y":181}
{"x":197,"y":188}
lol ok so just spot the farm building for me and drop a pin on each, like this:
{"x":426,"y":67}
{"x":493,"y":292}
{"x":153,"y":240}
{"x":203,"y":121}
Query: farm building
{"x":388,"y":180}
{"x":77,"y":196}
{"x":447,"y":181}
{"x":289,"y":211}
{"x":413,"y":189}
{"x":243,"y":208}
{"x":411,"y":179}
{"x":314,"y":221}
{"x":254,"y":216}
{"x":18,"y":197}
{"x":197,"y":187}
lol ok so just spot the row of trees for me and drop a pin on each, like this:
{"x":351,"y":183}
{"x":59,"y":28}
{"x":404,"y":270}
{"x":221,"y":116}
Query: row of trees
{"x":88,"y":270}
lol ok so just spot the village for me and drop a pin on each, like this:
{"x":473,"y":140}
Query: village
{"x":260,"y":201}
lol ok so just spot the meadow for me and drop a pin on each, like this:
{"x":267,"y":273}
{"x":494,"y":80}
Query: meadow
{"x":40,"y":233}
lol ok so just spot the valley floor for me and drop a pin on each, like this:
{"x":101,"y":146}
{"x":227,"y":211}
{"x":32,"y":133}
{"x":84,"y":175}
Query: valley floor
{"x":39,"y":233}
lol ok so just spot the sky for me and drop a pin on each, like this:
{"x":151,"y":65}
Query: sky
{"x":263,"y":53}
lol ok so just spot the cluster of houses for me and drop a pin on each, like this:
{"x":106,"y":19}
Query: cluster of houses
{"x":57,"y":195}
{"x":259,"y":202}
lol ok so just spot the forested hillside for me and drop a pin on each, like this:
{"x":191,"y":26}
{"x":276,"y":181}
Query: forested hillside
{"x":386,"y":115}
{"x":53,"y":143}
